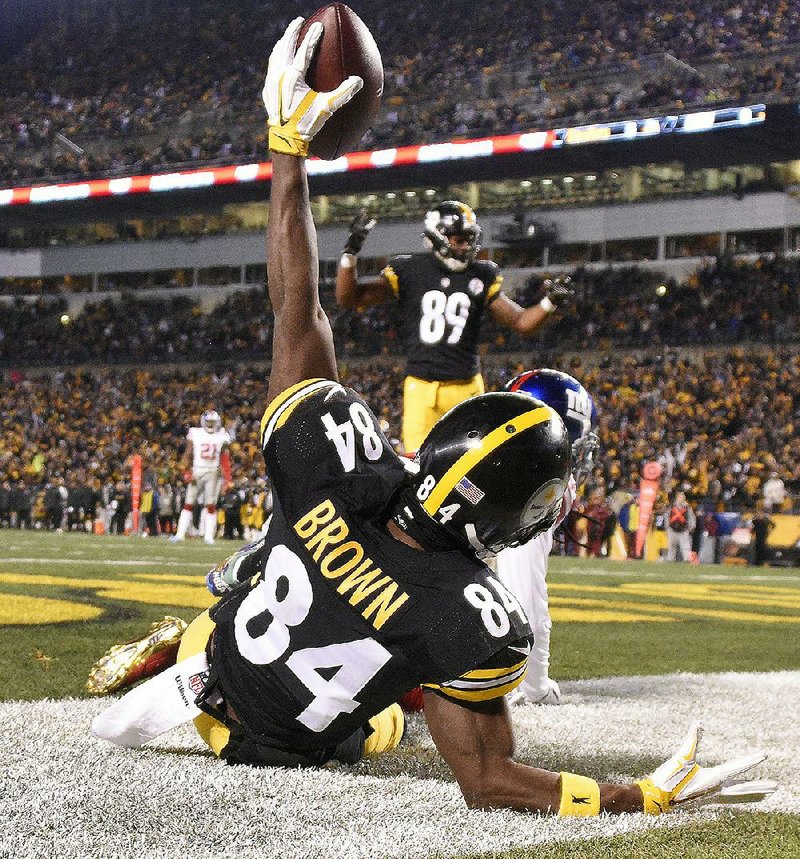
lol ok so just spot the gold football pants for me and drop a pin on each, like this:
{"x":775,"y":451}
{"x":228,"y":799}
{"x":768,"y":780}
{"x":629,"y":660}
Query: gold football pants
{"x":425,"y":402}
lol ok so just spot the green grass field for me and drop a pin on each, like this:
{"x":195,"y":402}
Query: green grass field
{"x":66,"y":598}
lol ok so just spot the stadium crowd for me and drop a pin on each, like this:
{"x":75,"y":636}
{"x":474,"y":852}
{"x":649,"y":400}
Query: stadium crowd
{"x":120,"y":87}
{"x":720,"y":428}
{"x":727,"y":302}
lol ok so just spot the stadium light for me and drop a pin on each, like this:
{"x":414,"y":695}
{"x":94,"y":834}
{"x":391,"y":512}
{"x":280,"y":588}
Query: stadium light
{"x":599,"y":133}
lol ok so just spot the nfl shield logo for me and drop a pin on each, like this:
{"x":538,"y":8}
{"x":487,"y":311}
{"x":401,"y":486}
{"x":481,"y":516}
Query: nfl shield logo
{"x":197,"y":682}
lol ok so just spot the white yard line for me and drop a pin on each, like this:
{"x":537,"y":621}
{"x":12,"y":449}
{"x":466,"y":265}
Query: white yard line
{"x":75,"y":796}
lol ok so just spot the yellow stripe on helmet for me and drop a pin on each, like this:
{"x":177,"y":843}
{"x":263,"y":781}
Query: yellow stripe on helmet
{"x":497,"y":437}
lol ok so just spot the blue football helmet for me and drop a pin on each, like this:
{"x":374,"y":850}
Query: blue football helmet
{"x":573,"y":403}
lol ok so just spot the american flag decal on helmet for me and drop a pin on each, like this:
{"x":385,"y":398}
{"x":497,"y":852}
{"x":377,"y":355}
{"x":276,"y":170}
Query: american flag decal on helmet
{"x":469,"y":490}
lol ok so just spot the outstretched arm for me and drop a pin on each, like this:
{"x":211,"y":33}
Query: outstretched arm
{"x":302,"y":345}
{"x":477,"y":743}
{"x":349,"y":292}
{"x":526,"y":320}
{"x":302,"y":340}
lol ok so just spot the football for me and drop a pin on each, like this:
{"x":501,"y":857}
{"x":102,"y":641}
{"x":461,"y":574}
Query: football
{"x":346,"y":48}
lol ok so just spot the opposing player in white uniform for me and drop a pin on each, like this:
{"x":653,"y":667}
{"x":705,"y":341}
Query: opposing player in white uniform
{"x":207,"y":450}
{"x":523,"y":569}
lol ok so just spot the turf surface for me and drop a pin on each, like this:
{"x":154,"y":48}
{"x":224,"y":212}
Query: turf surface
{"x":66,"y":598}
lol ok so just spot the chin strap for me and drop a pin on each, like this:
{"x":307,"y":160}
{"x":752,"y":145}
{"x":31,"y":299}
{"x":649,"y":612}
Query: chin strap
{"x":409,"y":516}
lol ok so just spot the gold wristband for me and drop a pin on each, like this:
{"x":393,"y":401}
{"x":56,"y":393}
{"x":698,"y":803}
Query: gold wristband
{"x":656,"y":801}
{"x":280,"y":141}
{"x":580,"y":796}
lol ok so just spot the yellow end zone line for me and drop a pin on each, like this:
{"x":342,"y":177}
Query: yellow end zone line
{"x":788,"y":598}
{"x":675,"y":611}
{"x":173,"y":582}
{"x":569,"y":614}
{"x":105,"y":562}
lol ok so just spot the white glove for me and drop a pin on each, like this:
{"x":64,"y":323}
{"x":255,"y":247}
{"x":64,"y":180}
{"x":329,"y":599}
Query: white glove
{"x":551,"y":693}
{"x":295,"y":112}
{"x":548,"y":692}
{"x":681,"y":780}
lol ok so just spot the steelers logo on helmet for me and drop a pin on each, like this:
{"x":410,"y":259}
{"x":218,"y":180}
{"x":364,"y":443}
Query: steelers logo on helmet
{"x":493,"y":471}
{"x":453,"y":219}
{"x":543,"y":500}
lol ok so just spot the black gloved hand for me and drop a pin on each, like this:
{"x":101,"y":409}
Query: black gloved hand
{"x":559,"y":290}
{"x":359,"y":230}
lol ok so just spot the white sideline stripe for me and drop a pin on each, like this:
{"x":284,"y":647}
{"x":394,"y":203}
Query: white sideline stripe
{"x":76,"y":796}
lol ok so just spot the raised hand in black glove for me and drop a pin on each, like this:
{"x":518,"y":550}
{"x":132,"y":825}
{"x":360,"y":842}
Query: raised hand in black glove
{"x":559,"y":290}
{"x":359,"y":230}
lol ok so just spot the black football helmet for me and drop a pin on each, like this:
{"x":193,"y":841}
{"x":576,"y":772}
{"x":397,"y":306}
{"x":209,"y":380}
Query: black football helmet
{"x":452,"y":218}
{"x":493,"y":471}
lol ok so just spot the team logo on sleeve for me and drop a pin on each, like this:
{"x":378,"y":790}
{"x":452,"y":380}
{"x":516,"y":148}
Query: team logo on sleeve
{"x":475,"y":286}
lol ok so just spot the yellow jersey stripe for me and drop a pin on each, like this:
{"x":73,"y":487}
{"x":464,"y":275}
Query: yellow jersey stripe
{"x":291,"y":406}
{"x":466,"y":684}
{"x":394,"y":281}
{"x":476,"y":694}
{"x":288,"y":399}
{"x":492,"y":673}
{"x":494,"y":289}
{"x":498,"y":436}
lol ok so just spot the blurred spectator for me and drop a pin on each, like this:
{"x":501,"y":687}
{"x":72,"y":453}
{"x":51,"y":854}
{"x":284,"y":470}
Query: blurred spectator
{"x":148,"y":510}
{"x":167,"y":518}
{"x":121,"y":506}
{"x":774,"y":493}
{"x":232,"y":502}
{"x":600,"y":521}
{"x":21,"y":504}
{"x":761,"y":526}
{"x":681,"y":523}
{"x":146,"y":87}
{"x":5,"y":504}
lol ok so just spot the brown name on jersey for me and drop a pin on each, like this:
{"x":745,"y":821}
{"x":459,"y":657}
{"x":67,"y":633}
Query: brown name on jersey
{"x":324,"y":534}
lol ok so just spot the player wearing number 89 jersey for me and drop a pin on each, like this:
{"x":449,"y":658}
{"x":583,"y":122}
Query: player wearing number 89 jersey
{"x":441,"y":296}
{"x":440,"y":313}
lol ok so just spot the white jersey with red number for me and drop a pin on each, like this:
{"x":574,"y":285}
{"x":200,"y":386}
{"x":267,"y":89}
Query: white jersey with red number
{"x":207,"y":448}
{"x":523,"y":570}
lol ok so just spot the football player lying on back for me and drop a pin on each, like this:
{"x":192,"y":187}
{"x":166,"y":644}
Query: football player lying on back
{"x":370,"y":579}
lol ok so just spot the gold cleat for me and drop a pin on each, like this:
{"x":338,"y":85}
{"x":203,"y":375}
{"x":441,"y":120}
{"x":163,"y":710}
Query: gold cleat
{"x":126,"y":664}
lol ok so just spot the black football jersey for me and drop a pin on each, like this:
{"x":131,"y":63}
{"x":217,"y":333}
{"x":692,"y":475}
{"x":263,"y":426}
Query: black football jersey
{"x":440,"y":313}
{"x":337,"y":619}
